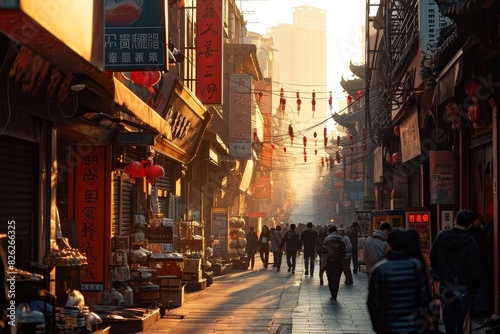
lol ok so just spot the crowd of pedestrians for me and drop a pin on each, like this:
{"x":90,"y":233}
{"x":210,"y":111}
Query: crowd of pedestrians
{"x":405,"y":294}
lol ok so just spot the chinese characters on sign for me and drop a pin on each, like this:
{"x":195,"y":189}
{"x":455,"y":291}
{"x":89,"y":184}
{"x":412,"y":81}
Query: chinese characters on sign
{"x":89,"y":213}
{"x":441,"y":178}
{"x":209,"y":52}
{"x":420,"y":221}
{"x":240,"y":119}
{"x":135,"y":35}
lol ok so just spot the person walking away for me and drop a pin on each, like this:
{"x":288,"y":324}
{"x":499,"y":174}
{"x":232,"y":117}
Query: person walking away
{"x":456,"y":265}
{"x":292,"y":241}
{"x":346,"y":262}
{"x":375,"y":246}
{"x":264,"y":246}
{"x":334,"y":252}
{"x":480,"y":304}
{"x":322,"y":233}
{"x":399,"y":293}
{"x":276,"y":239}
{"x":308,"y":241}
{"x":353,"y":235}
{"x":251,"y":247}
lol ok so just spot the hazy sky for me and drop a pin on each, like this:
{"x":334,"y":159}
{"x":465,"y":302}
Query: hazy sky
{"x":345,"y":20}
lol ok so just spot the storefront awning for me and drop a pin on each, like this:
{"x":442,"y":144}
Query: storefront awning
{"x":69,"y":36}
{"x":182,"y":129}
{"x":449,"y":77}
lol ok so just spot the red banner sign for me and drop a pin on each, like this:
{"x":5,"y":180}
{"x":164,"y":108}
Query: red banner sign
{"x":209,"y":52}
{"x":90,"y":176}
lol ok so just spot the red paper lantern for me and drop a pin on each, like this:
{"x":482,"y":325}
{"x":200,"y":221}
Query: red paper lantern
{"x":397,"y":130}
{"x":349,"y":99}
{"x":472,"y":86}
{"x":313,"y":102}
{"x":135,"y":169}
{"x":395,"y":158}
{"x":154,"y":171}
{"x":305,"y":158}
{"x":473,"y":113}
{"x":326,"y":141}
{"x":299,"y":101}
{"x":305,"y":141}
{"x":290,"y":132}
{"x":272,"y":146}
{"x":284,"y":149}
{"x":145,"y":78}
{"x":330,"y":100}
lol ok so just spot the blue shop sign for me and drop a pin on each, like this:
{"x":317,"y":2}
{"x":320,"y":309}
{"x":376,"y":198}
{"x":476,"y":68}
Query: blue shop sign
{"x":135,"y":35}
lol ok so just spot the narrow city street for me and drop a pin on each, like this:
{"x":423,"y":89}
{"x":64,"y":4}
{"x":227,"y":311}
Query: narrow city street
{"x":266,"y":301}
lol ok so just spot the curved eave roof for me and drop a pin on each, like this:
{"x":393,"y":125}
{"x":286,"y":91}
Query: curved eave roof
{"x":358,"y":69}
{"x":349,"y":119}
{"x":352,"y":86}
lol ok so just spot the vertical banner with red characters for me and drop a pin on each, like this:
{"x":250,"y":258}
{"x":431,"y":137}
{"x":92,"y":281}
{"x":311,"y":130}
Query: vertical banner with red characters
{"x":209,"y":51}
{"x":90,"y":202}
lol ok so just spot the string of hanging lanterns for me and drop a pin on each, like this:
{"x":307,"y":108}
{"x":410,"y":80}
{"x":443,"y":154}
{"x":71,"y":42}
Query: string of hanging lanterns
{"x":144,"y":168}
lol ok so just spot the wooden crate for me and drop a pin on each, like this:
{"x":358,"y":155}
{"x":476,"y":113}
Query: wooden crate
{"x":186,"y":276}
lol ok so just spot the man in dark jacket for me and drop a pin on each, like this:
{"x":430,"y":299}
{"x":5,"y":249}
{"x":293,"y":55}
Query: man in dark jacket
{"x":334,"y":252}
{"x":251,"y":247}
{"x":292,"y":241}
{"x":308,"y":241}
{"x":456,"y":265}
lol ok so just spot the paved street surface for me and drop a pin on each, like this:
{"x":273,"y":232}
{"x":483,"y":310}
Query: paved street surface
{"x":265,"y":301}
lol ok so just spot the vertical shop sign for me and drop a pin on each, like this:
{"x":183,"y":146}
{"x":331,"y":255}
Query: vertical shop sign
{"x":90,"y":213}
{"x":441,"y":177}
{"x":420,"y":221}
{"x":220,"y":222}
{"x":447,"y":219}
{"x":240,"y":116}
{"x":209,"y":51}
